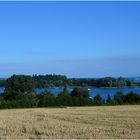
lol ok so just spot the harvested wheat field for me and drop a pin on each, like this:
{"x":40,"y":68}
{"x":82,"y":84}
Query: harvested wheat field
{"x":71,"y":123}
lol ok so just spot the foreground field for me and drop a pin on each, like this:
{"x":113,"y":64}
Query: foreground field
{"x":71,"y":123}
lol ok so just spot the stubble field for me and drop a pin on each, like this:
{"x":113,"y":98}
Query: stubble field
{"x":104,"y":122}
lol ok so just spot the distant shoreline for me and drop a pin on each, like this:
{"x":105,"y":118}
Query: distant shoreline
{"x":87,"y":87}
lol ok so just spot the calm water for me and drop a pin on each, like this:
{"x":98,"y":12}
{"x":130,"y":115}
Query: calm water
{"x":1,"y":89}
{"x":93,"y":91}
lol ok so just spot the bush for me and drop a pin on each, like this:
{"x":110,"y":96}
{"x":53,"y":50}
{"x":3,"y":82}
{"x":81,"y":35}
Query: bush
{"x":132,"y":98}
{"x":98,"y":100}
{"x":119,"y":98}
{"x":46,"y":99}
{"x":80,"y":92}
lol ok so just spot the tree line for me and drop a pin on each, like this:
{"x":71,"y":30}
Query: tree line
{"x":19,"y":93}
{"x":52,"y":80}
{"x":42,"y":81}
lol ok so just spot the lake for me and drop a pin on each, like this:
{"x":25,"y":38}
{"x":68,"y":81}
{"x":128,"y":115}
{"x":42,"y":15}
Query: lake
{"x":1,"y":89}
{"x":93,"y":91}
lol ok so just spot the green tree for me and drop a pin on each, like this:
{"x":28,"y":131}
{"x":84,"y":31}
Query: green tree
{"x":26,"y":100}
{"x":2,"y":82}
{"x":121,"y":82}
{"x":64,"y":92}
{"x":80,"y":92}
{"x":64,"y":98}
{"x":98,"y":100}
{"x":119,"y":98}
{"x":46,"y":99}
{"x":18,"y":84}
{"x":108,"y":100}
{"x":132,"y":98}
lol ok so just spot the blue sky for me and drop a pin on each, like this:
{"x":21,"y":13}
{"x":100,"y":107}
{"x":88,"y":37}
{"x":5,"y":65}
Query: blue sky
{"x":78,"y":39}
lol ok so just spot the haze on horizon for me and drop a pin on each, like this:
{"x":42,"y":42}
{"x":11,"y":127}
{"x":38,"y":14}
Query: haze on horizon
{"x":77,"y":39}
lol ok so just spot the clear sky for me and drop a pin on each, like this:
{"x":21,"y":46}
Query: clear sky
{"x":78,"y":39}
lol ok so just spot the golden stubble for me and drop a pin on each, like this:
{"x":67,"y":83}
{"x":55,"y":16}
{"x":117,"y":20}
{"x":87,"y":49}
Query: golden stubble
{"x":104,"y":122}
